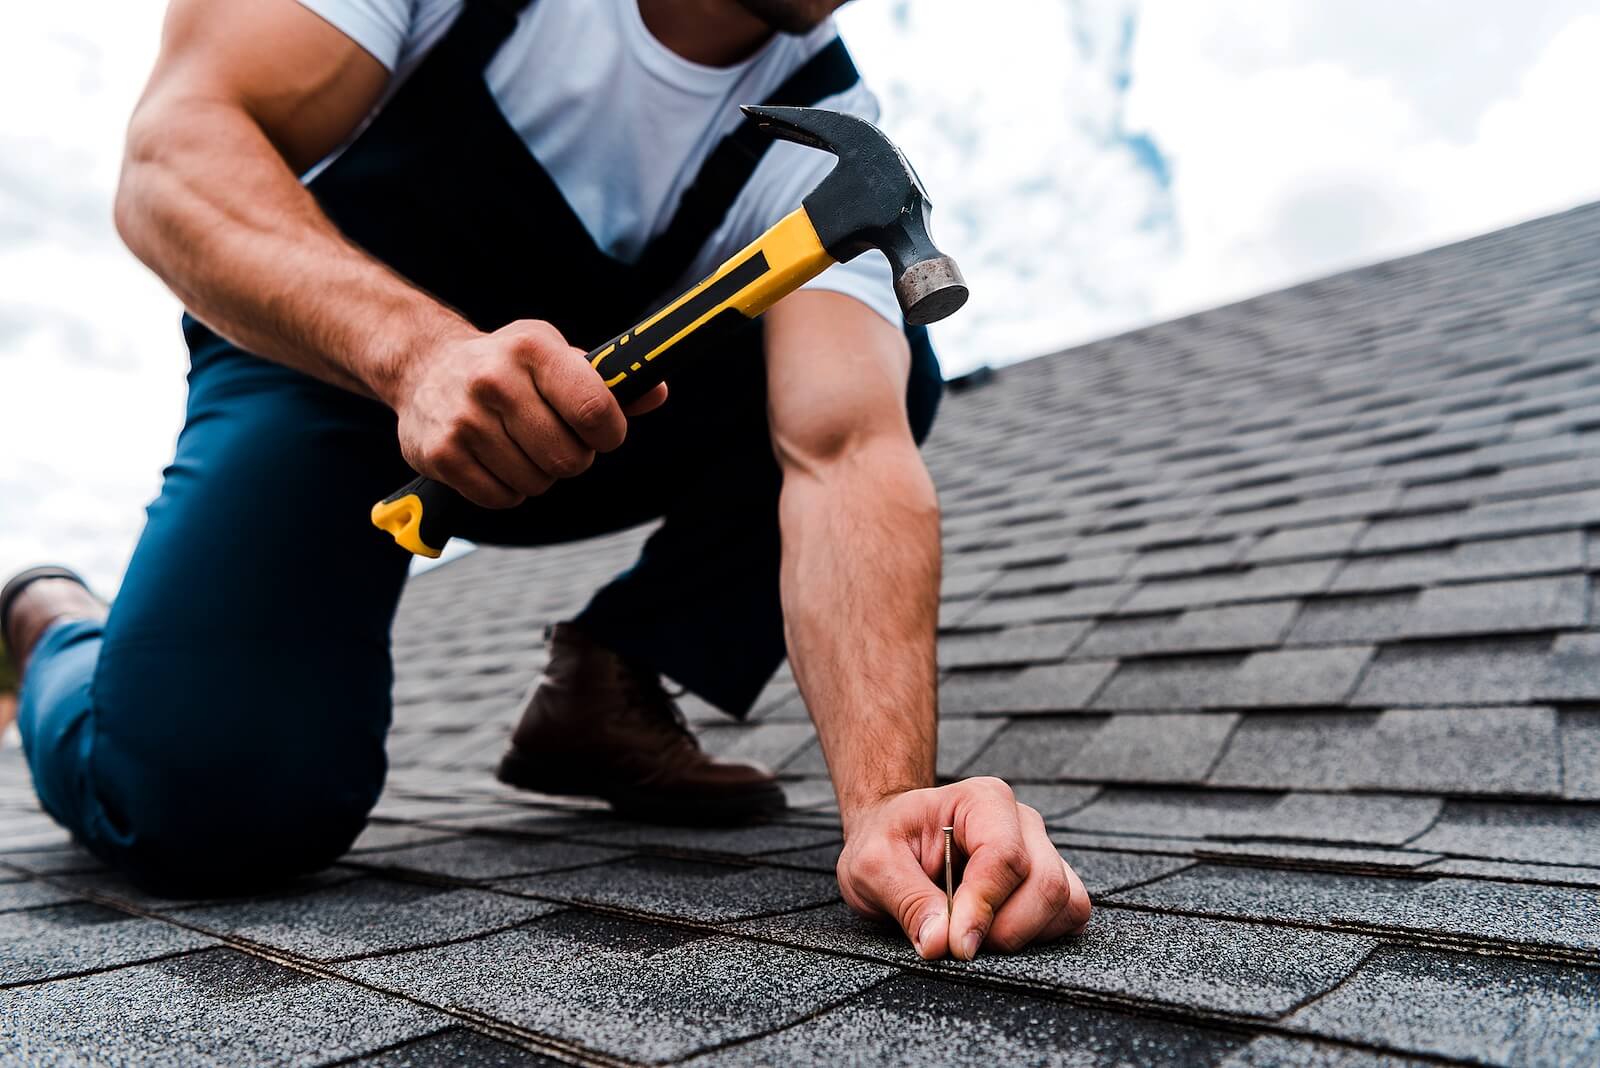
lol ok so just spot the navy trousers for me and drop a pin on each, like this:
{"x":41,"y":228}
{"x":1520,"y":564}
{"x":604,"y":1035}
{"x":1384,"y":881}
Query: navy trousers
{"x":226,"y":725}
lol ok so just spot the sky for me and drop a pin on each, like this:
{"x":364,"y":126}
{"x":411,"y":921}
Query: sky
{"x":1095,"y":165}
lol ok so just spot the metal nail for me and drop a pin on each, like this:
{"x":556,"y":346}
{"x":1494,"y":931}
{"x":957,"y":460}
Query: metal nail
{"x":949,"y":872}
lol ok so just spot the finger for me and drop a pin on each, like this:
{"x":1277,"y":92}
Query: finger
{"x":1082,"y":905}
{"x":988,"y":832}
{"x":501,"y":457}
{"x":544,"y":440}
{"x":470,"y":479}
{"x":576,"y":394}
{"x":1040,"y":910}
{"x":647,"y":403}
{"x":891,"y":881}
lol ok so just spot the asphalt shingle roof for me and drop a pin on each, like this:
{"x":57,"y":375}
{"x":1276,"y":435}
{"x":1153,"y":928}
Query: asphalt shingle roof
{"x":1282,"y":614}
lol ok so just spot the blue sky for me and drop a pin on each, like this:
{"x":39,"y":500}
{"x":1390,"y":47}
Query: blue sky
{"x":1095,"y":165}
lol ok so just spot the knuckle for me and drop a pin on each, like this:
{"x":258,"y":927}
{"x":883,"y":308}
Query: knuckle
{"x":569,"y":464}
{"x":1013,"y":860}
{"x":485,"y":387}
{"x":1008,"y":941}
{"x":593,"y":412}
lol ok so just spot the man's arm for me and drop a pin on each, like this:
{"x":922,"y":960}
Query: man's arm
{"x":860,"y":524}
{"x":243,"y":98}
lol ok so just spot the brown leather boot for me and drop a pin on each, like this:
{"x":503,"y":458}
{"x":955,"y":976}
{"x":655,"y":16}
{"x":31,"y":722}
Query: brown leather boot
{"x":598,"y":726}
{"x":36,"y":598}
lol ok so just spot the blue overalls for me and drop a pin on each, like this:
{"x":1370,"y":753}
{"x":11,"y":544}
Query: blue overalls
{"x":225,"y":727}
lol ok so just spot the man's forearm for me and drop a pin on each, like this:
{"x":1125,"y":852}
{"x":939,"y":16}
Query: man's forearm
{"x":861,"y":602}
{"x":207,"y":203}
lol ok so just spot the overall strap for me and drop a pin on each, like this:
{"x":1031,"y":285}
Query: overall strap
{"x":480,"y":29}
{"x":708,"y":198}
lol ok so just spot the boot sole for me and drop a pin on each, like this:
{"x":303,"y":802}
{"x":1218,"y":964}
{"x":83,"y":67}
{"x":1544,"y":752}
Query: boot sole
{"x":726,"y":808}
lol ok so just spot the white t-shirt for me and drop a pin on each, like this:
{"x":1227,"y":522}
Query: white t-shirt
{"x":622,"y":123}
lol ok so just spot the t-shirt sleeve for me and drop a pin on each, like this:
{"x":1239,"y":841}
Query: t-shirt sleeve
{"x":785,"y":175}
{"x":378,"y":26}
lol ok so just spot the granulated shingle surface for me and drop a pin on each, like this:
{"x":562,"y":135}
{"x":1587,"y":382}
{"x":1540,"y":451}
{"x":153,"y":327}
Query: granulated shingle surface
{"x":1283,"y":614}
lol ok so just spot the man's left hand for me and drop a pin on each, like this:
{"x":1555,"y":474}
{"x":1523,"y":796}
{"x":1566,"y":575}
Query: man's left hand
{"x":1016,"y":889}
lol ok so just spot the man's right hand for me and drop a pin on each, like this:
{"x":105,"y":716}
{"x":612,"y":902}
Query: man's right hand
{"x":500,"y":417}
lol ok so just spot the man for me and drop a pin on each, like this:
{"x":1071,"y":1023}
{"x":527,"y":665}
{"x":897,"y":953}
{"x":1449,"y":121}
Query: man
{"x":395,"y":224}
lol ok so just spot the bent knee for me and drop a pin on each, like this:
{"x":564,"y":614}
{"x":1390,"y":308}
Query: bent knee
{"x":240,"y":823}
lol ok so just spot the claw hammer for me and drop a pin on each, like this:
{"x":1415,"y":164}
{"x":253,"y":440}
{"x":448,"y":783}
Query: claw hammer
{"x":872,"y":199}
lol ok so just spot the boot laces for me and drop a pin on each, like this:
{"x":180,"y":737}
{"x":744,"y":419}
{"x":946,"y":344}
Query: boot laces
{"x":644,"y":687}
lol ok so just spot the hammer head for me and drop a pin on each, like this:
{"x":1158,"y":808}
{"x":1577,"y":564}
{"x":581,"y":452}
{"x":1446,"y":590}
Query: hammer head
{"x":872,"y":199}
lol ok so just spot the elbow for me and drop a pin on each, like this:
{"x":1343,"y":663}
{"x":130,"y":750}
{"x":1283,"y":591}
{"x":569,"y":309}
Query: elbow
{"x":130,"y":206}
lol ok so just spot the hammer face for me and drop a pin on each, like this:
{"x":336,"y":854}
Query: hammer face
{"x":931,"y":290}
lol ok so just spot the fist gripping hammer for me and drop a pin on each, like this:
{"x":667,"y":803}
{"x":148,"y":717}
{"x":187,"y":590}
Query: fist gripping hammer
{"x":871,"y":199}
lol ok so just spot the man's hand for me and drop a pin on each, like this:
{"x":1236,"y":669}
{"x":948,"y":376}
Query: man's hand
{"x":1016,"y":889}
{"x":500,"y":417}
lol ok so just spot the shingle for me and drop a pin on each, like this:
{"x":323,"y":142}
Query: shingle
{"x":1079,"y":602}
{"x":1462,"y":1005}
{"x":68,"y":939}
{"x":1217,"y":965}
{"x":1015,"y":645}
{"x":1165,"y":747}
{"x":683,"y":889}
{"x":912,"y":1021}
{"x":1297,"y":677}
{"x":1179,"y":682}
{"x":1544,"y":833}
{"x":1245,"y":626}
{"x":1534,"y":553}
{"x":29,"y":894}
{"x":459,"y":1048}
{"x":1495,"y":607}
{"x":364,"y":916}
{"x":767,"y":744}
{"x":1573,"y":669}
{"x":1503,"y":671}
{"x":1263,"y":582}
{"x":1277,"y":1051}
{"x":1078,"y":571}
{"x":961,"y":739}
{"x":1046,"y":688}
{"x":1051,"y":799}
{"x":1464,"y":750}
{"x":482,"y":857}
{"x":1105,"y":870}
{"x":755,"y":840}
{"x":1390,"y":571}
{"x":1185,"y":559}
{"x":1366,"y":818}
{"x":1294,"y":543}
{"x":1580,"y":754}
{"x":1371,"y":618}
{"x":380,"y":836}
{"x":621,"y":988}
{"x":1468,"y":908}
{"x":217,"y":1007}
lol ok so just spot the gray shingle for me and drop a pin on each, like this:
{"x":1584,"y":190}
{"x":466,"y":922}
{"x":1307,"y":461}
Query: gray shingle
{"x":1573,"y":670}
{"x":1372,"y":819}
{"x":29,"y":894}
{"x":1276,"y":1051}
{"x":1047,"y":688}
{"x":1549,"y":834}
{"x":1497,"y":607}
{"x":1289,"y":677}
{"x":1465,"y":750}
{"x":69,"y":939}
{"x":1504,"y":671}
{"x":1164,"y":747}
{"x":1245,"y":626}
{"x":1186,"y":559}
{"x":1079,"y":602}
{"x":751,"y":841}
{"x":1014,"y":645}
{"x":1296,"y":543}
{"x":1460,"y":1005}
{"x":1218,"y":965}
{"x":459,"y":1048}
{"x":1370,"y":618}
{"x":914,"y":1022}
{"x":1078,"y":571}
{"x":1468,"y":908}
{"x":1029,"y":749}
{"x":767,"y":744}
{"x":1263,"y":582}
{"x":961,"y":739}
{"x":621,"y":988}
{"x":483,"y":857}
{"x":217,"y":1007}
{"x":365,"y":916}
{"x":1105,"y":870}
{"x":1580,"y":754}
{"x":683,"y":889}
